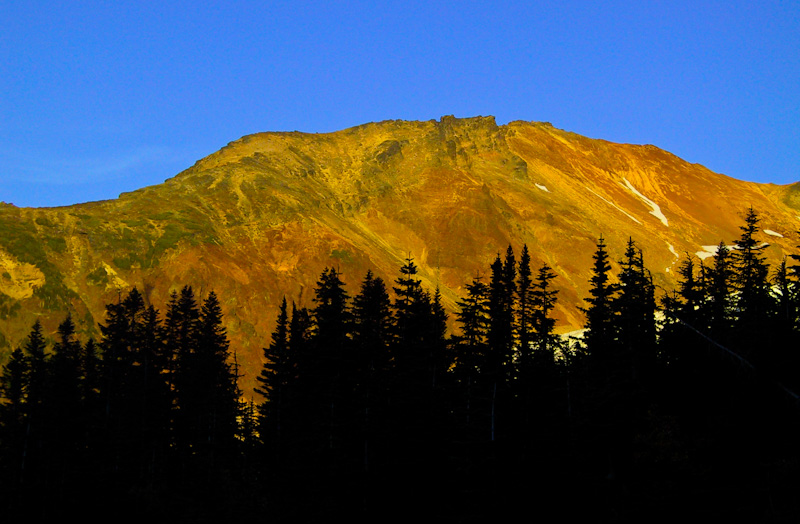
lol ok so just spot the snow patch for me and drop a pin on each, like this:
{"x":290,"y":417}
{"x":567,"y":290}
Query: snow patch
{"x":708,"y":251}
{"x":677,"y":256}
{"x":656,"y":210}
{"x":615,"y":206}
{"x":543,"y":188}
{"x":672,"y":250}
{"x":773,"y":233}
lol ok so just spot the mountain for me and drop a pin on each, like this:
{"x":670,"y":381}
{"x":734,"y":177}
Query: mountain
{"x":263,"y":216}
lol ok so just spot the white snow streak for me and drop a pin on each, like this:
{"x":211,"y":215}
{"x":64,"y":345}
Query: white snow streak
{"x":773,"y":233}
{"x":543,"y":188}
{"x":708,"y":251}
{"x":614,"y":205}
{"x":677,"y":256}
{"x":656,"y":210}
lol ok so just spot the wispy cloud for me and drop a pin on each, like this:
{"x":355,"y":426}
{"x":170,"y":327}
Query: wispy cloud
{"x":82,"y":170}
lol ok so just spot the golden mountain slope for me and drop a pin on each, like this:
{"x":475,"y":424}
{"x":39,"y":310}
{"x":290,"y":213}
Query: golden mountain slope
{"x":262,"y":217}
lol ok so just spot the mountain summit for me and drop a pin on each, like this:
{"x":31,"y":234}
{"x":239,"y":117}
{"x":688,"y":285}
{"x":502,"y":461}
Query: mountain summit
{"x":261,"y":218}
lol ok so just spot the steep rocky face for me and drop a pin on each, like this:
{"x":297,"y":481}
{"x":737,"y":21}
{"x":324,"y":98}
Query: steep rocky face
{"x":262,"y":217}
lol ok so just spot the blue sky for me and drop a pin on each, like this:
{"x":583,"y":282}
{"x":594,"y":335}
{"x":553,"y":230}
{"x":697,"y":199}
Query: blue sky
{"x":98,"y":98}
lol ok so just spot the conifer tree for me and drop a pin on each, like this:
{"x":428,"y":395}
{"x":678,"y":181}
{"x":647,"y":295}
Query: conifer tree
{"x":471,"y":348}
{"x":12,"y":389}
{"x":539,"y":375}
{"x":181,"y":329}
{"x":35,"y":408}
{"x":600,"y":335}
{"x":13,"y":385}
{"x":329,"y":368}
{"x":636,"y":307}
{"x":274,"y":379}
{"x":63,"y":403}
{"x":437,"y":334}
{"x":718,"y":309}
{"x":543,"y":302}
{"x":372,"y":334}
{"x":215,"y":395}
{"x":502,"y":294}
{"x":524,"y":322}
{"x":751,"y":278}
{"x":372,"y":340}
{"x":412,"y":310}
{"x":683,"y":313}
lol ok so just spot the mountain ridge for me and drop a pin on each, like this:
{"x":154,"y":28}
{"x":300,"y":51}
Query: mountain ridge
{"x":261,"y":217}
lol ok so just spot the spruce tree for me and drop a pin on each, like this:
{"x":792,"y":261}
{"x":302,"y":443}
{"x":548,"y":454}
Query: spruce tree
{"x":32,"y":467}
{"x":274,"y":379}
{"x":636,"y":307}
{"x":471,"y":351}
{"x":543,"y":302}
{"x":329,"y":369}
{"x":751,"y":278}
{"x":718,"y":309}
{"x":600,"y":335}
{"x":372,"y":340}
{"x":215,"y":398}
{"x":13,"y":385}
{"x":524,"y":320}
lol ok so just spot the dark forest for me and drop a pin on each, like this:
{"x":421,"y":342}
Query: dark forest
{"x":670,"y":403}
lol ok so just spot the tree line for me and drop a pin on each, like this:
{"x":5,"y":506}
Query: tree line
{"x":669,"y":401}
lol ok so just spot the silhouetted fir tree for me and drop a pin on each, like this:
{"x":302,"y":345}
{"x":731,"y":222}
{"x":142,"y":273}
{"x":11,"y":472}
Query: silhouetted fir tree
{"x":122,"y":387}
{"x":13,"y":386}
{"x":718,"y":309}
{"x":274,"y":380}
{"x":540,"y":380}
{"x":605,"y":430}
{"x":751,"y":277}
{"x":498,"y":368}
{"x":524,"y":316}
{"x":783,"y":289}
{"x":372,"y":339}
{"x":502,"y":294}
{"x":413,"y":412}
{"x":543,"y":302}
{"x":439,"y":348}
{"x":636,"y":307}
{"x":634,"y":372}
{"x":408,"y":386}
{"x":154,"y":411}
{"x":181,"y":329}
{"x":541,"y":386}
{"x":32,"y":467}
{"x":600,"y":335}
{"x":683,"y":313}
{"x":301,"y":390}
{"x":12,"y":389}
{"x":783,"y":358}
{"x":92,"y":395}
{"x":332,"y":358}
{"x":64,"y":410}
{"x":214,"y":399}
{"x":754,"y":306}
{"x":409,"y":309}
{"x":470,"y":357}
{"x":691,"y":291}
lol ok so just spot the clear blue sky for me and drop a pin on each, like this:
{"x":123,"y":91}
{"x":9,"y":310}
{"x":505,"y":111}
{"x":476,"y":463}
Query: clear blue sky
{"x":98,"y":98}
